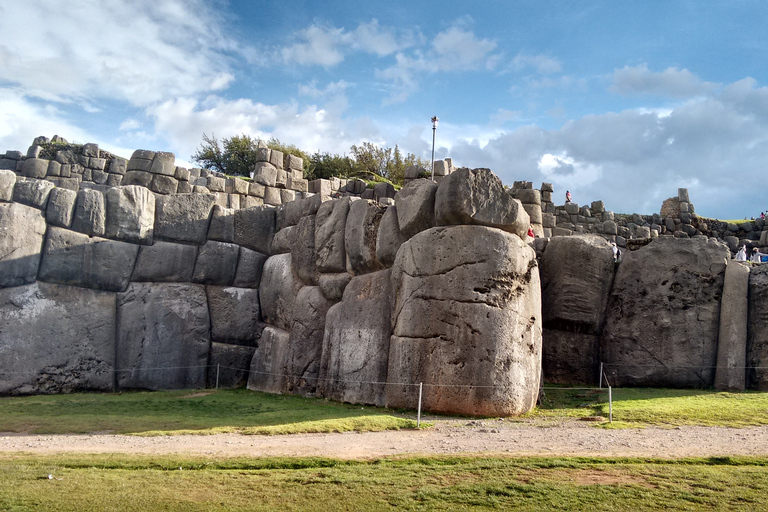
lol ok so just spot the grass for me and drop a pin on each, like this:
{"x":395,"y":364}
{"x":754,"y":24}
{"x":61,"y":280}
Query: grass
{"x":175,"y":412}
{"x":125,"y":483}
{"x":641,"y":407}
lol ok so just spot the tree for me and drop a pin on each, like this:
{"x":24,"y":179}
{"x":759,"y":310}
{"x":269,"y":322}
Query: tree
{"x":385,"y":162}
{"x":236,"y":156}
{"x":325,"y":165}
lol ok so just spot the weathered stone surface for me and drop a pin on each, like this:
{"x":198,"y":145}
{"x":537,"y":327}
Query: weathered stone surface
{"x":32,"y":192}
{"x":360,"y":236}
{"x":163,"y":336}
{"x":228,"y":366}
{"x":235,"y":314}
{"x":22,"y":229}
{"x":267,"y":371}
{"x":283,"y":240}
{"x":570,"y":357}
{"x":141,"y":178}
{"x":255,"y":228}
{"x":389,"y":238}
{"x":730,"y":374}
{"x":61,"y":207}
{"x":216,"y":263}
{"x":222,"y":225}
{"x":7,"y":183}
{"x":661,"y":324}
{"x":476,"y":196}
{"x":272,"y":196}
{"x":356,"y":342}
{"x":466,"y":320}
{"x":141,"y":160}
{"x":329,"y":235}
{"x":34,"y":168}
{"x":56,"y":339}
{"x":416,"y":207}
{"x":576,"y":278}
{"x":163,"y":184}
{"x":305,"y":348}
{"x":76,"y":259}
{"x":265,"y":173}
{"x":163,"y":163}
{"x":130,"y":214}
{"x":333,"y":285}
{"x":90,"y":215}
{"x":303,"y":255}
{"x":757,"y":329}
{"x":183,"y":217}
{"x":165,"y":262}
{"x":278,"y":291}
{"x":249,"y":268}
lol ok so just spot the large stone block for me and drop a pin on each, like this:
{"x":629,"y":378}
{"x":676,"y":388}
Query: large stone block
{"x":76,"y":259}
{"x":255,"y":228}
{"x":757,"y":329}
{"x":477,"y":196}
{"x":570,"y":357}
{"x":56,"y":339}
{"x":130,"y":214}
{"x":356,"y":342}
{"x":249,"y":268}
{"x":416,"y":207}
{"x":216,"y":263}
{"x":32,"y":192}
{"x":165,"y":262}
{"x":164,"y":164}
{"x":576,"y":278}
{"x":389,"y":238}
{"x":730,"y":374}
{"x":7,"y":183}
{"x":23,"y":230}
{"x":235,"y":314}
{"x":305,"y":348}
{"x":360,"y":235}
{"x":303,"y":255}
{"x":90,"y":215}
{"x":267,"y":372}
{"x":183,"y":218}
{"x":333,"y":285}
{"x":466,"y":322}
{"x":663,"y":313}
{"x":34,"y":168}
{"x":61,"y":207}
{"x":329,"y":235}
{"x":222,"y":225}
{"x":278,"y":290}
{"x":228,"y":366}
{"x":163,"y":337}
{"x":141,"y":160}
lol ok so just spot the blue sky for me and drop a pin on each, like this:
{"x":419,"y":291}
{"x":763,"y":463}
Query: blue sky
{"x":619,"y":101}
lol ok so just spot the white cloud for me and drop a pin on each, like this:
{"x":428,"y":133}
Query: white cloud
{"x":540,"y":63}
{"x":333,"y":88}
{"x":672,"y":82}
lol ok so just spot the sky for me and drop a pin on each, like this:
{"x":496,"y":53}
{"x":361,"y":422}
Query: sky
{"x":623,"y":102}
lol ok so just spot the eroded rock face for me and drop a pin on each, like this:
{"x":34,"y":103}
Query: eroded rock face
{"x":130,"y":214}
{"x":661,"y":324}
{"x":183,"y":217}
{"x":356,"y":342}
{"x":22,"y":229}
{"x":303,"y":255}
{"x":305,"y":347}
{"x":267,"y":372}
{"x":416,"y":207}
{"x":165,"y":262}
{"x":757,"y":329}
{"x":330,"y":222}
{"x":278,"y":291}
{"x":56,"y":339}
{"x":477,"y":196}
{"x":163,"y":336}
{"x":576,"y":278}
{"x":466,"y":321}
{"x":360,"y":236}
{"x":235,"y":314}
{"x":389,"y":238}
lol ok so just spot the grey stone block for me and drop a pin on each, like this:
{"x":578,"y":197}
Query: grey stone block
{"x":7,"y":184}
{"x":216,"y":263}
{"x":61,"y":207}
{"x":32,"y":192}
{"x":165,"y":262}
{"x":249,"y":268}
{"x":23,"y":229}
{"x":163,"y":163}
{"x":34,"y":168}
{"x":130,"y":214}
{"x":235,"y":314}
{"x":183,"y":218}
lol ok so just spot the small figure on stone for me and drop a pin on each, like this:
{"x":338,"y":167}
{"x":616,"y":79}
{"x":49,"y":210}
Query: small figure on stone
{"x":762,"y":215}
{"x":742,"y":254}
{"x":616,"y":252}
{"x":530,"y":232}
{"x":567,"y":196}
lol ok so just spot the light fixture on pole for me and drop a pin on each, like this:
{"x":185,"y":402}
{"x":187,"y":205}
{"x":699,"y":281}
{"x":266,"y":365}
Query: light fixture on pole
{"x":434,"y":129}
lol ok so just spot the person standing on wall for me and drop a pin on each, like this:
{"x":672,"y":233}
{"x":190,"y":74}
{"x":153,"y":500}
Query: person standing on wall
{"x":567,"y":196}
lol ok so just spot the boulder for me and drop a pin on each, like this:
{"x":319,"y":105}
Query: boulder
{"x":34,"y":168}
{"x":730,"y":374}
{"x":333,"y":285}
{"x":216,"y":263}
{"x":7,"y":184}
{"x":305,"y":348}
{"x":130,"y":214}
{"x":416,"y":207}
{"x":165,"y":262}
{"x":163,"y":163}
{"x":477,"y":196}
{"x":222,"y":226}
{"x":360,"y":235}
{"x":466,"y":322}
{"x":283,"y":240}
{"x":21,"y":243}
{"x":757,"y":329}
{"x":570,"y":357}
{"x":389,"y":238}
{"x":78,"y":260}
{"x":329,"y":235}
{"x":56,"y":339}
{"x":163,"y":336}
{"x":267,"y":371}
{"x":61,"y":207}
{"x":32,"y":193}
{"x":235,"y":315}
{"x":90,"y":215}
{"x":183,"y":217}
{"x":663,"y":313}
{"x":255,"y":228}
{"x":228,"y":365}
{"x":576,"y":278}
{"x":303,"y":255}
{"x":356,"y":342}
{"x":278,"y":291}
{"x":249,"y":268}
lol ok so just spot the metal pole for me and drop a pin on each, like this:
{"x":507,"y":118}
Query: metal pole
{"x":434,"y":129}
{"x":610,"y":405}
{"x":601,"y":376}
{"x":217,"y":375}
{"x":418,"y":413}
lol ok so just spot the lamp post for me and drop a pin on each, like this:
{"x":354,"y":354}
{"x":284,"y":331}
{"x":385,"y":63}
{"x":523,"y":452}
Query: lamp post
{"x":434,"y":129}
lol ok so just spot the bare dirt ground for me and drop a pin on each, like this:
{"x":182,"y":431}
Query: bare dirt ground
{"x":445,"y":437}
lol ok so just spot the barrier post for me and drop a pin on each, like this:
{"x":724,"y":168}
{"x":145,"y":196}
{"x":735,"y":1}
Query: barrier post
{"x":418,"y":411}
{"x":610,"y":405}
{"x":600,"y":386}
{"x":217,"y":375}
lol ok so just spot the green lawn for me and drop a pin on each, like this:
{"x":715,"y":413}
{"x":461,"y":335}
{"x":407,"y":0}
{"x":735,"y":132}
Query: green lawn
{"x":124,"y":483}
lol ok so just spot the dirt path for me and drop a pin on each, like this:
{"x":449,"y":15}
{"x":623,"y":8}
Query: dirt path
{"x":446,"y":437}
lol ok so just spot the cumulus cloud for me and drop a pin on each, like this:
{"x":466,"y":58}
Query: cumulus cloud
{"x":542,"y":64}
{"x":672,"y":82}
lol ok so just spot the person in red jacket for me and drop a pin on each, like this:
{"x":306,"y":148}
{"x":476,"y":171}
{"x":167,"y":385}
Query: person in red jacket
{"x":530,"y":232}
